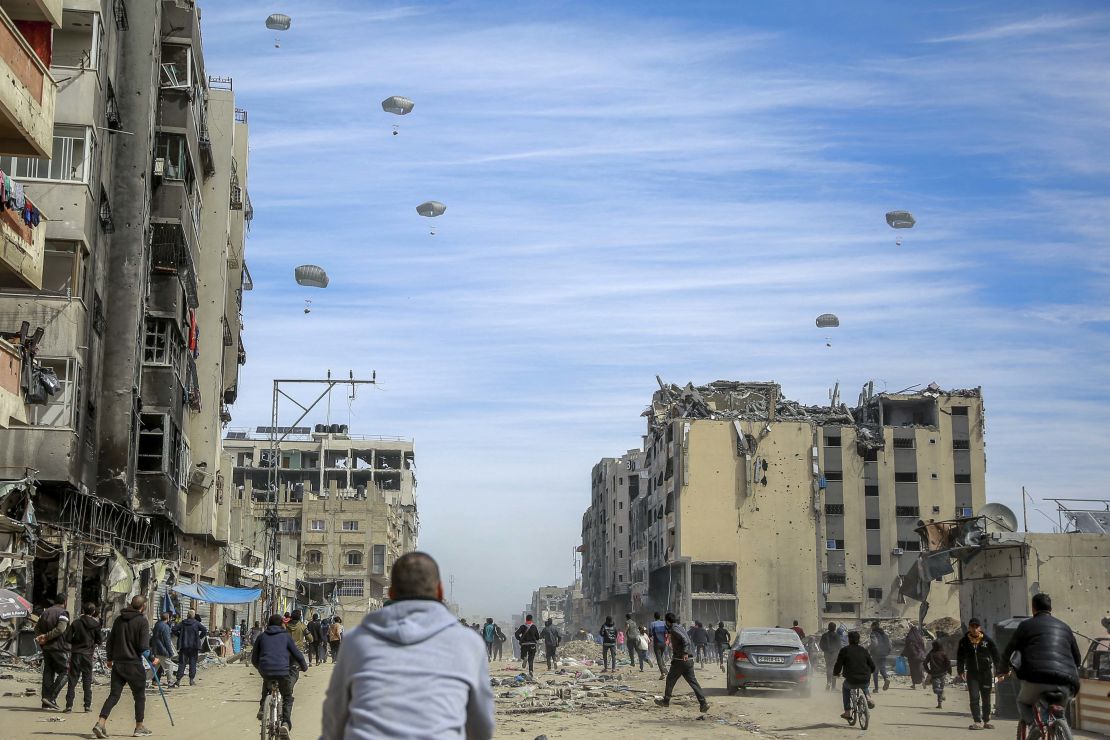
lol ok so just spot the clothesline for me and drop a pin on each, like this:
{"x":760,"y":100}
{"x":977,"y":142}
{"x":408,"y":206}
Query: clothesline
{"x":14,"y":197}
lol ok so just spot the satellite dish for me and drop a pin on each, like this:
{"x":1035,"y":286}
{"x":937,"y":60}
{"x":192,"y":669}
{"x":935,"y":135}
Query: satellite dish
{"x":999,"y":518}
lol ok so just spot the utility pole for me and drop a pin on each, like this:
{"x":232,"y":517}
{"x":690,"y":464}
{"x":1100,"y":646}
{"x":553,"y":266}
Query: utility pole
{"x":277,"y":436}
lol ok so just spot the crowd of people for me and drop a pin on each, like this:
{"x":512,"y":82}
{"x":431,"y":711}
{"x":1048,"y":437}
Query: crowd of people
{"x":391,"y":667}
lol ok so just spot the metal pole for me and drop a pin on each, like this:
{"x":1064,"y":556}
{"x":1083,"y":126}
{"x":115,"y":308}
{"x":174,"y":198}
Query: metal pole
{"x":1024,"y":511}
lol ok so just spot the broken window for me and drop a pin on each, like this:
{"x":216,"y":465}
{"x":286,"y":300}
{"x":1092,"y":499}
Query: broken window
{"x":832,"y":441}
{"x":712,"y":611}
{"x":907,"y":511}
{"x":177,"y":66}
{"x":60,"y":409}
{"x":963,"y":477}
{"x":871,"y":455}
{"x":961,"y":444}
{"x":873,"y":559}
{"x":870,"y":490}
{"x":834,"y":544}
{"x":871,"y":524}
{"x":903,"y":443}
{"x":313,"y":557}
{"x":77,"y":43}
{"x":63,"y":269}
{"x":875,"y":593}
{"x":713,"y":578}
{"x":162,"y":447}
{"x":162,"y":344}
{"x":959,"y":411}
{"x":839,"y":607}
{"x":834,"y":509}
{"x":905,"y":477}
{"x":836,"y":579}
{"x":834,"y":475}
{"x":910,"y":545}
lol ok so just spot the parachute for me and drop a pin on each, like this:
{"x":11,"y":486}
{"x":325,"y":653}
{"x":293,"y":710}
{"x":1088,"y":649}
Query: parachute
{"x":311,"y":276}
{"x":278,"y":22}
{"x":900,"y":220}
{"x":397,"y":105}
{"x":431,"y":209}
{"x":827,"y":320}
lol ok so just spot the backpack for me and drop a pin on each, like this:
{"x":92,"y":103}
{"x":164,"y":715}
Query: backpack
{"x":501,"y":636}
{"x":489,"y":633}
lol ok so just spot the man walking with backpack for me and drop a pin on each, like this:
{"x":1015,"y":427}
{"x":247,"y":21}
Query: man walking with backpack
{"x":551,"y":642}
{"x":489,"y":634}
{"x":190,"y":634}
{"x":528,"y":636}
{"x":682,"y":664}
{"x":50,"y":633}
{"x":722,"y":640}
{"x":631,"y":638}
{"x":83,"y":636}
{"x":608,"y":634}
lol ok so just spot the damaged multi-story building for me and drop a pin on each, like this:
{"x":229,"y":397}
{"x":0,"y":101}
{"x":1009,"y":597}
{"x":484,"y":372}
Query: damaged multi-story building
{"x":750,"y":508}
{"x":345,"y":506}
{"x":126,"y":315}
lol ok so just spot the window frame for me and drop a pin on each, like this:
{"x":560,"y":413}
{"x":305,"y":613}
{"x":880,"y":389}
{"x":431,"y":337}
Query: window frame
{"x":11,"y":164}
{"x":313,"y":557}
{"x":376,"y":568}
{"x":347,"y":558}
{"x":95,"y":46}
{"x":345,"y":528}
{"x":313,"y":528}
{"x":67,"y":396}
{"x":351,"y":587}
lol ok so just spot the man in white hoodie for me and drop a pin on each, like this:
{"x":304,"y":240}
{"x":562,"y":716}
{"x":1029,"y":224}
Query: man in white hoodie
{"x":410,"y":669}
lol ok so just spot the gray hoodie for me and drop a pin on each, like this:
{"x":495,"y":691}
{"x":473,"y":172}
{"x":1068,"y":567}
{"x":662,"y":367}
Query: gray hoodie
{"x":410,"y":670}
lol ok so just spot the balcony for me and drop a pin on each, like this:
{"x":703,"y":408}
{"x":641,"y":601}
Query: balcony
{"x":27,"y":91}
{"x":12,"y":408}
{"x":21,"y":251}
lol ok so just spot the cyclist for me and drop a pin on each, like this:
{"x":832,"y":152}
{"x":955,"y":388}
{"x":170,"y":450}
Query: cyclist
{"x":1050,"y":657}
{"x":274,"y":656}
{"x":857,"y":666}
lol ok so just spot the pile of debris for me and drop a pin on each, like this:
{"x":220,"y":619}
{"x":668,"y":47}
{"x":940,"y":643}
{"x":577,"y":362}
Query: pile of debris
{"x":573,"y":689}
{"x":581,"y":650}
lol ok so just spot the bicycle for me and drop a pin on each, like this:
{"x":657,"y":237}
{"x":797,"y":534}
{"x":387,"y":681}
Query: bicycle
{"x":272,"y":728}
{"x":857,"y":707}
{"x":1049,"y":719}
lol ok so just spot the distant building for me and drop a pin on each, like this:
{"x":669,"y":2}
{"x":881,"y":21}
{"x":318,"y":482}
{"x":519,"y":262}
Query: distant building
{"x":346,"y":507}
{"x":549,"y":602}
{"x":750,"y":508}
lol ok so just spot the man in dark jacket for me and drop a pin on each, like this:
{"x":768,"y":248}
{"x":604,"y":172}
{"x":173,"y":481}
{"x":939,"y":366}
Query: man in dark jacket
{"x":722,"y":640}
{"x":274,"y":654}
{"x":551,"y":641}
{"x":855,"y":664}
{"x":50,"y":633}
{"x":682,"y":664}
{"x":318,"y":641}
{"x":528,"y":635}
{"x":977,"y":663}
{"x":830,"y":646}
{"x":700,"y":638}
{"x":878,"y":645}
{"x":608,"y":633}
{"x":1050,"y":657}
{"x":128,"y":644}
{"x":83,"y":636}
{"x":190,"y":634}
{"x":161,"y":645}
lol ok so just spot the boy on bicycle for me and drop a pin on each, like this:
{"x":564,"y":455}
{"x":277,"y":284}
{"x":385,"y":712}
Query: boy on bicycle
{"x":273,"y":656}
{"x":856,"y":665}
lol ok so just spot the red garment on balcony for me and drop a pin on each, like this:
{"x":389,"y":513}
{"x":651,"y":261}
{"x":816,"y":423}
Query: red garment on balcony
{"x":39,"y":36}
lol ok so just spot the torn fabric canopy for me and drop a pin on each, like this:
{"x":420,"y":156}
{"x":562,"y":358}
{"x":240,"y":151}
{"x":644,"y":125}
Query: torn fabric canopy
{"x":218,"y":594}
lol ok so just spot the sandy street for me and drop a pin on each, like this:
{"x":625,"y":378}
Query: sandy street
{"x":223,"y":704}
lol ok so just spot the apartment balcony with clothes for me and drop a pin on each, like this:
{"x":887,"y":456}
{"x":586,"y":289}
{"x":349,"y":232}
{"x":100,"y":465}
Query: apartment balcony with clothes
{"x":22,"y":238}
{"x":28,"y":93}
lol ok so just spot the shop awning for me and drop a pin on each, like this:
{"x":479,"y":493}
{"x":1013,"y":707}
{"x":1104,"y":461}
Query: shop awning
{"x":218,"y":594}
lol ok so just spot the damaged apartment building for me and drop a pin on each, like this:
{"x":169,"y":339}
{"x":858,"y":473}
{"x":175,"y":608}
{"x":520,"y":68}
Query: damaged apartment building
{"x":346,"y":508}
{"x":745,"y":507}
{"x":120,"y":301}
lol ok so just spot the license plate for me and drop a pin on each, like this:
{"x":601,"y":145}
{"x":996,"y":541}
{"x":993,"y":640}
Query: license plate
{"x":772,"y":659}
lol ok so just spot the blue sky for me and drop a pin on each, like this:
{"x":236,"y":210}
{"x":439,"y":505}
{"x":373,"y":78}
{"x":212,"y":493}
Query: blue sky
{"x":673,"y":189}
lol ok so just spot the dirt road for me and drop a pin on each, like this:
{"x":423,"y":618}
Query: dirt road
{"x":224,"y":701}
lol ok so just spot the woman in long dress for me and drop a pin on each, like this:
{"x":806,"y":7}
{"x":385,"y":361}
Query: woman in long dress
{"x":914,"y":653}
